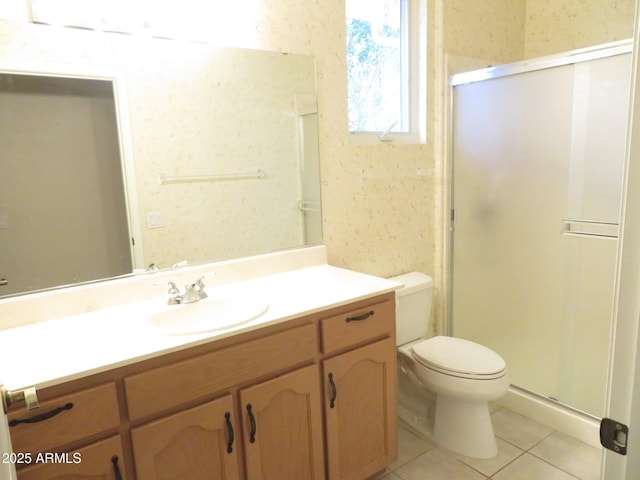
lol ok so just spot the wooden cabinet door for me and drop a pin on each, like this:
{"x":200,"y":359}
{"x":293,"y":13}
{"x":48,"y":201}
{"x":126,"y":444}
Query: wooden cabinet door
{"x":282,"y":427}
{"x":101,"y":460}
{"x":360,"y":411}
{"x":196,"y":444}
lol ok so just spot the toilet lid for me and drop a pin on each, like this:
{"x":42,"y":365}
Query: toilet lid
{"x":458,"y":356}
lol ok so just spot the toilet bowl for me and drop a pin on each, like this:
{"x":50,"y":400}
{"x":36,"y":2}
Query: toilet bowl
{"x":463,"y":377}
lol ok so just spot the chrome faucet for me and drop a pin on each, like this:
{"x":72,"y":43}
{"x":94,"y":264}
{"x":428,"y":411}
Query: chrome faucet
{"x":192,"y":293}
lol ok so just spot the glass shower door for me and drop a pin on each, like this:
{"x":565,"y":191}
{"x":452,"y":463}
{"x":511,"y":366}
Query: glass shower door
{"x":537,"y":178}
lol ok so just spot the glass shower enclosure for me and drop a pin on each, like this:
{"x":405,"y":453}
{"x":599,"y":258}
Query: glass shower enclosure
{"x":538,"y":153}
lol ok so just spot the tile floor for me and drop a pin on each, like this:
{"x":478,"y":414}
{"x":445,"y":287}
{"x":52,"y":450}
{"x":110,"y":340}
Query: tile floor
{"x":527,"y":451}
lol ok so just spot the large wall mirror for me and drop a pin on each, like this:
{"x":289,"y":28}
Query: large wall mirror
{"x":118,"y":152}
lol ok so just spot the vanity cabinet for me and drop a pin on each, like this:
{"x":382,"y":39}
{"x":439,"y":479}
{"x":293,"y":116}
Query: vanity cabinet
{"x":312,"y":398}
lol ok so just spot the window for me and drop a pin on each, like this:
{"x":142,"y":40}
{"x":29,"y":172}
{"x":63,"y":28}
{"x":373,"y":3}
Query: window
{"x":379,"y":69}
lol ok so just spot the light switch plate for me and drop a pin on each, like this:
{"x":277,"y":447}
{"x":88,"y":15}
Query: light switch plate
{"x":155,"y":220}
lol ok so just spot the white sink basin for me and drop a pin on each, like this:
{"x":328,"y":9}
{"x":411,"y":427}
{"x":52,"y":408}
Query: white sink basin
{"x":207,"y":315}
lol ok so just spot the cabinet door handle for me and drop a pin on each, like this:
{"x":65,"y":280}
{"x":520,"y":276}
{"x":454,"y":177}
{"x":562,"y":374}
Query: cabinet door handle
{"x":42,"y":416}
{"x":334,"y":391}
{"x":252,"y":421}
{"x":116,"y":468}
{"x":230,"y":435}
{"x":359,"y":318}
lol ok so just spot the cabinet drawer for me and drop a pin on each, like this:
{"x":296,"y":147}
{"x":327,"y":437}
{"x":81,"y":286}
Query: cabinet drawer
{"x":65,"y":420}
{"x":98,"y":460}
{"x":165,"y":387}
{"x":370,"y":320}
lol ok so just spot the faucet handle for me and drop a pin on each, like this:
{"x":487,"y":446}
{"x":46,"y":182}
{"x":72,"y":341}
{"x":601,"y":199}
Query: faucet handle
{"x":172,"y":286}
{"x":200,"y":280}
{"x":174,"y":292}
{"x":195,"y":292}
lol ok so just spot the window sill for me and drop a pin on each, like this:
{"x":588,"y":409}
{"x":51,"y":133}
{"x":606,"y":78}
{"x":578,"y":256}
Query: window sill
{"x":375,"y":138}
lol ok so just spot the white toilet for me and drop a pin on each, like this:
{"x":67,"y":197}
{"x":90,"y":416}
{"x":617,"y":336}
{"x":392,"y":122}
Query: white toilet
{"x":463,"y":377}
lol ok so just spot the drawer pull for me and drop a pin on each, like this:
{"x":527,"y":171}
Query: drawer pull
{"x":227,"y":417}
{"x":334,"y":391}
{"x":116,"y":468}
{"x":43,"y":416}
{"x":359,"y":318}
{"x":252,"y":421}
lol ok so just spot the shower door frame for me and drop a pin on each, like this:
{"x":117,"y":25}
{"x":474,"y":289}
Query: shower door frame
{"x":623,"y":389}
{"x":548,"y":62}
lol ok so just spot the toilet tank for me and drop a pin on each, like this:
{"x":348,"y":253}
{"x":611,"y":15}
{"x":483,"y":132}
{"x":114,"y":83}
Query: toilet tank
{"x":413,"y":306}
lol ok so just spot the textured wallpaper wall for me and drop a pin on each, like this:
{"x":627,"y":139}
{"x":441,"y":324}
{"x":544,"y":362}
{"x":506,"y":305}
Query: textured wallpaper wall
{"x":561,"y":25}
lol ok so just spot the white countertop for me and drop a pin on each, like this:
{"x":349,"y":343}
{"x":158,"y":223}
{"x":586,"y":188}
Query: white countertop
{"x":69,"y":347}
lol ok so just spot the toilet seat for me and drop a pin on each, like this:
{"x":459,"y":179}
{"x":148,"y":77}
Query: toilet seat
{"x":459,"y":358}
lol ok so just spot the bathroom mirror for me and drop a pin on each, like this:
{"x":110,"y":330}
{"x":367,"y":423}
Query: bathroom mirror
{"x":219,"y":147}
{"x":63,"y":211}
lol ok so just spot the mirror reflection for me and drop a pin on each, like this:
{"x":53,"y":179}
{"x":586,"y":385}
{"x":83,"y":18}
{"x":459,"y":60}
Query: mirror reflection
{"x":62,"y":205}
{"x":186,"y":152}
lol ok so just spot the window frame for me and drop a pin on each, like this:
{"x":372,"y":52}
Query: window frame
{"x":410,"y":96}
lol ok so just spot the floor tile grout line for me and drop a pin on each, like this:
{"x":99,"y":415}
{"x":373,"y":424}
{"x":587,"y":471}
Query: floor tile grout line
{"x":553,"y":465}
{"x":525,"y":452}
{"x":522,"y":452}
{"x":541,"y":440}
{"x":526,"y":449}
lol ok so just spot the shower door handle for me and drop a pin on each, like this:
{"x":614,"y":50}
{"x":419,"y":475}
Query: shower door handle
{"x":590,"y":228}
{"x":3,"y":282}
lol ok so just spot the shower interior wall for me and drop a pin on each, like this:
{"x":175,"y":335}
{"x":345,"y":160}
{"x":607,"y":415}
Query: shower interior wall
{"x":507,"y":31}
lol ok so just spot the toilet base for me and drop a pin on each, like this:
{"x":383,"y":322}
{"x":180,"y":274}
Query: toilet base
{"x":464,"y":427}
{"x":458,"y":424}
